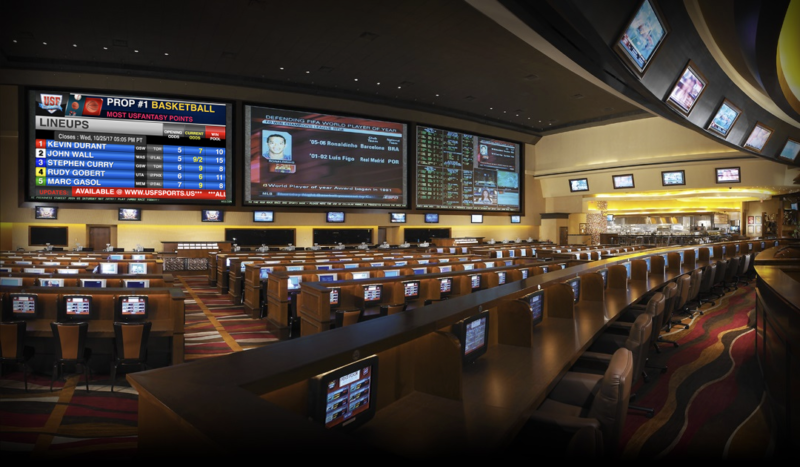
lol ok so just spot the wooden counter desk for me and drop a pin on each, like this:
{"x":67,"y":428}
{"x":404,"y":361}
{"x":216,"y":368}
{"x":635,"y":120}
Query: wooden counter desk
{"x":428,"y":404}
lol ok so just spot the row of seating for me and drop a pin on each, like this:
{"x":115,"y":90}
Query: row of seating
{"x":129,"y":348}
{"x":592,"y":400}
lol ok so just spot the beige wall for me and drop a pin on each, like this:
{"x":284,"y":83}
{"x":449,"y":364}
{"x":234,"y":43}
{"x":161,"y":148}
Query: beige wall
{"x":183,"y":222}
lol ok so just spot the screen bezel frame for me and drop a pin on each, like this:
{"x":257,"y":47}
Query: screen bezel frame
{"x":27,"y":94}
{"x":36,"y":213}
{"x":738,"y":171}
{"x":263,"y":222}
{"x":683,"y":177}
{"x":586,"y":179}
{"x":204,"y":216}
{"x":616,"y":187}
{"x":476,"y":218}
{"x":392,"y":221}
{"x":521,"y":173}
{"x":137,"y":219}
{"x":328,"y":217}
{"x":425,"y":218}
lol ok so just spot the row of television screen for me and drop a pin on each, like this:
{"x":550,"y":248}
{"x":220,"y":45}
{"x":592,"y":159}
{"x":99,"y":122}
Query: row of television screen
{"x":75,"y":308}
{"x":638,"y":43}
{"x":216,"y":215}
{"x":668,"y":178}
{"x":92,"y":147}
{"x":84,"y":282}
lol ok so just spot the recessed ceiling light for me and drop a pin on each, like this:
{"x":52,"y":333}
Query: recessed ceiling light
{"x":307,"y":72}
{"x":166,"y":53}
{"x":74,"y":45}
{"x":105,"y":48}
{"x":15,"y":41}
{"x":136,"y":51}
{"x":398,"y":87}
{"x":379,"y":84}
{"x":281,"y":68}
{"x":491,"y":108}
{"x":437,"y":95}
{"x":45,"y":43}
{"x":356,"y":79}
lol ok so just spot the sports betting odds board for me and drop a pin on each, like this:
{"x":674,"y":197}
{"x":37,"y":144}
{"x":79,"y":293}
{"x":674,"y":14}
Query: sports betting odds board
{"x":88,"y":147}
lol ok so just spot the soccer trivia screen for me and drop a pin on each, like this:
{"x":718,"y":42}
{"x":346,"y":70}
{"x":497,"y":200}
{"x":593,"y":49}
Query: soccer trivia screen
{"x":297,"y":158}
{"x":109,"y":148}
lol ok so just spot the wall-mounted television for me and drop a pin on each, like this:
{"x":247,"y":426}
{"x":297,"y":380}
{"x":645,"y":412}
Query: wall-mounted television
{"x":345,"y":398}
{"x":724,"y":119}
{"x":729,"y":175}
{"x":477,"y":218}
{"x":45,"y":212}
{"x":578,"y":184}
{"x":129,"y":214}
{"x":459,"y":171}
{"x":623,"y":181}
{"x":672,"y":178}
{"x":263,"y":216}
{"x":642,"y":37}
{"x":212,"y":215}
{"x":193,"y":166}
{"x":473,"y":333}
{"x":397,"y":217}
{"x":432,"y":218}
{"x":790,"y":150}
{"x":758,"y":137}
{"x":334,"y":217}
{"x":312,"y":159}
{"x":516,"y":219}
{"x":687,"y":89}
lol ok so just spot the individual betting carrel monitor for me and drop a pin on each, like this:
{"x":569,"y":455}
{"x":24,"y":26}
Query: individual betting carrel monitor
{"x":575,"y":284}
{"x":345,"y":398}
{"x":410,"y":290}
{"x":473,"y":333}
{"x":475,"y":281}
{"x":466,"y":172}
{"x":445,"y":286}
{"x":535,"y":301}
{"x":302,"y":158}
{"x":75,"y":308}
{"x":96,"y":147}
{"x":372,"y":295}
{"x":23,"y":306}
{"x":131,"y":308}
{"x":334,"y":297}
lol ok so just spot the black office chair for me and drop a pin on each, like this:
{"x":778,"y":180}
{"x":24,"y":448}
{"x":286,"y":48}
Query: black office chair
{"x":13,"y":348}
{"x":70,"y":342}
{"x":130,"y":346}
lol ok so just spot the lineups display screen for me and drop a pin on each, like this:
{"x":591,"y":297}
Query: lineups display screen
{"x":299,"y":158}
{"x":114,"y":148}
{"x":466,"y":172}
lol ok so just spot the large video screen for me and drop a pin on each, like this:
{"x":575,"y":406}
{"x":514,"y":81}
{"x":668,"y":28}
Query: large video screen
{"x":97,"y":147}
{"x":467,"y":172}
{"x":301,"y":158}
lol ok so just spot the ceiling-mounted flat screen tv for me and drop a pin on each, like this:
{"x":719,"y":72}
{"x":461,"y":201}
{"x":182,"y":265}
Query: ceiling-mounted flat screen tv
{"x":132,"y":148}
{"x":461,"y":171}
{"x":758,"y":138}
{"x":790,"y":150}
{"x":724,"y":119}
{"x":307,"y":158}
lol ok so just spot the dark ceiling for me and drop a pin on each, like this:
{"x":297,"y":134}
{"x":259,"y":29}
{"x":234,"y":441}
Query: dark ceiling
{"x":439,"y":56}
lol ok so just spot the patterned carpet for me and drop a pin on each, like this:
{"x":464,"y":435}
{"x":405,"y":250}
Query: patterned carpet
{"x":71,"y":423}
{"x":709,"y":404}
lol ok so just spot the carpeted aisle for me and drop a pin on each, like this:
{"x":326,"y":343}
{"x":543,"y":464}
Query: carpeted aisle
{"x":709,"y":402}
{"x":71,"y":423}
